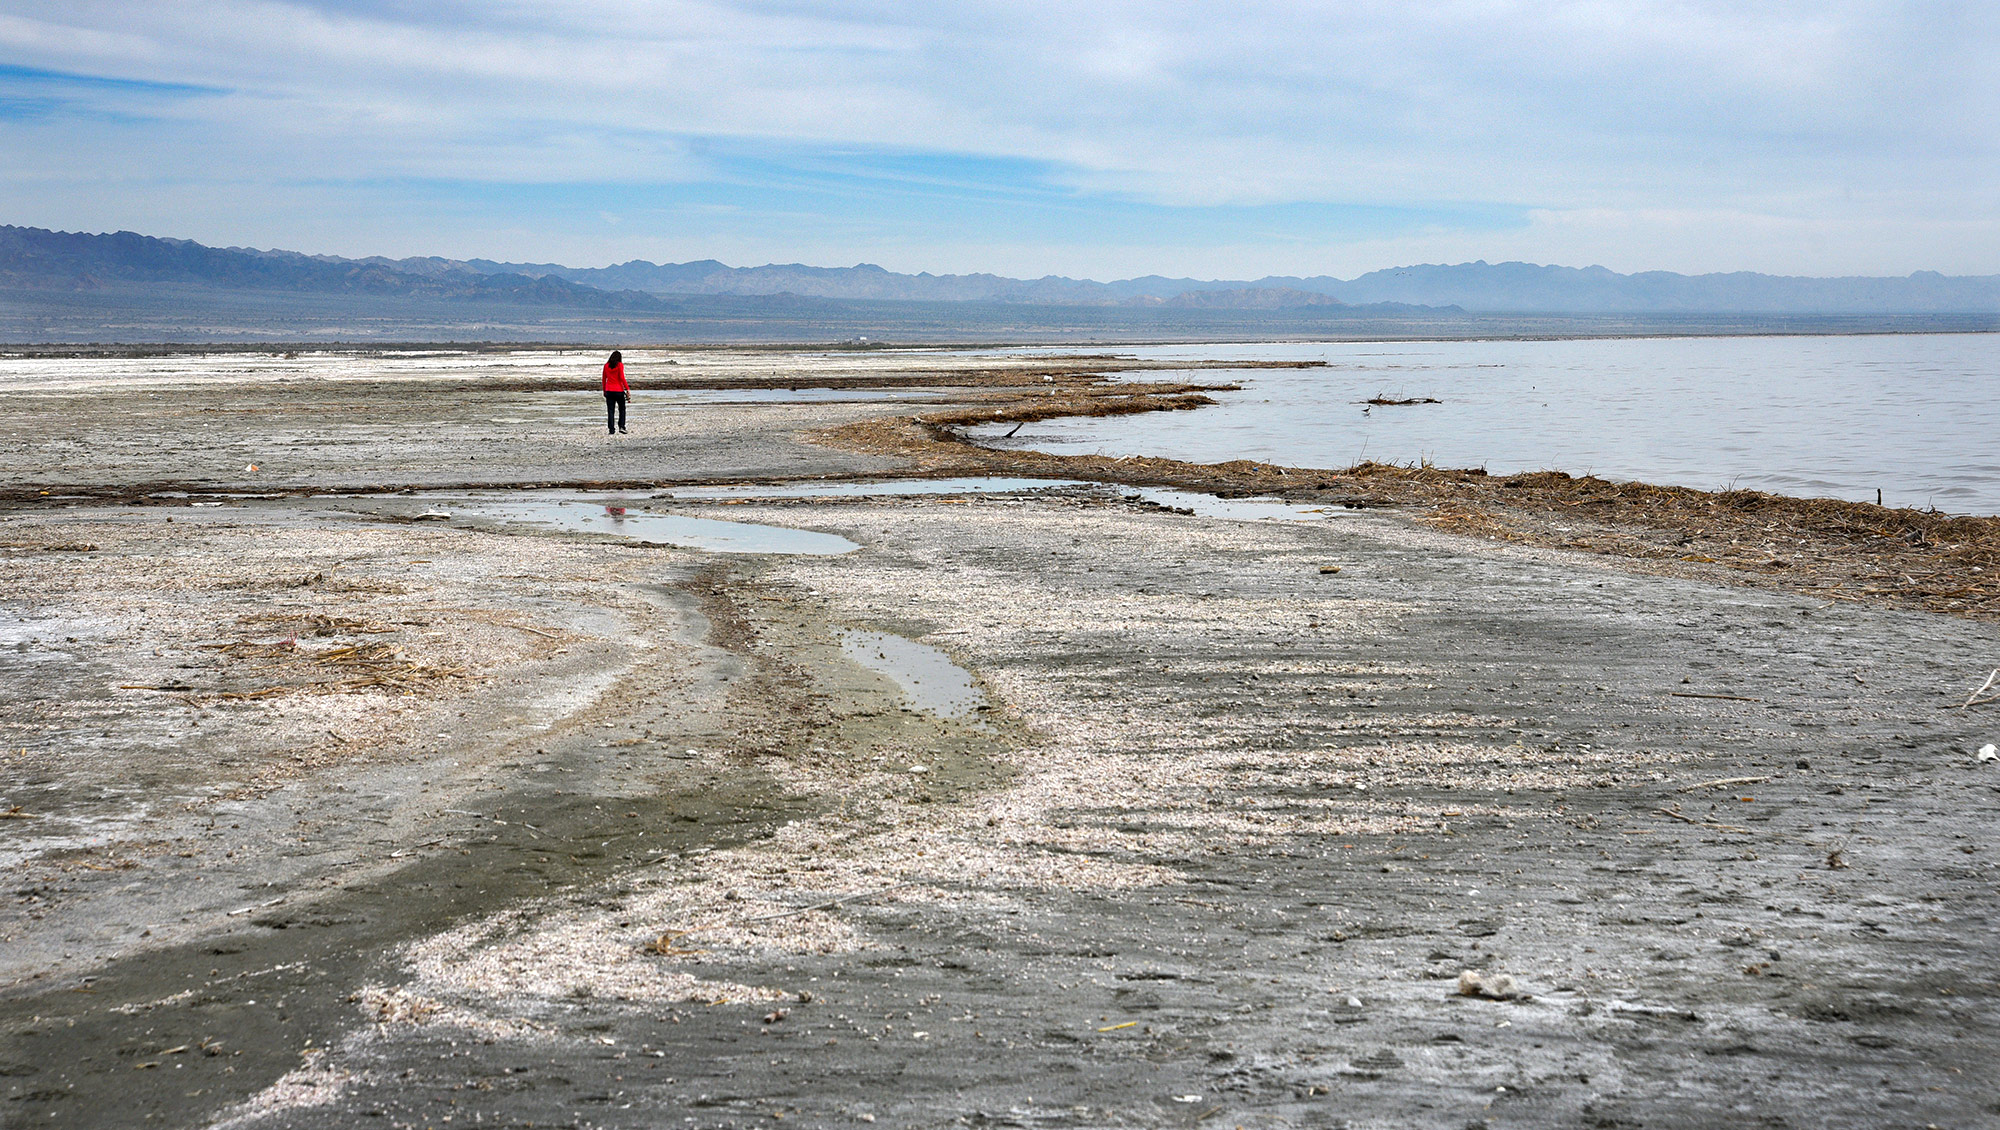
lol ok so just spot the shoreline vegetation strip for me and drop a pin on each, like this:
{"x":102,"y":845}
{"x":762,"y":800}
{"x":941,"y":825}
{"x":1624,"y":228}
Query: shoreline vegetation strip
{"x":1827,"y":548}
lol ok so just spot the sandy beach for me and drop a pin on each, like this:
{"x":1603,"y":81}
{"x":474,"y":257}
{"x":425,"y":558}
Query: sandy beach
{"x":337,"y":793}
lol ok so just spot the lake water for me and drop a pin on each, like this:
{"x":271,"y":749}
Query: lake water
{"x":1916,"y":416}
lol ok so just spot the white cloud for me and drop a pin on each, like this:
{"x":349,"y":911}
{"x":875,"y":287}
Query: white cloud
{"x":1774,"y":133}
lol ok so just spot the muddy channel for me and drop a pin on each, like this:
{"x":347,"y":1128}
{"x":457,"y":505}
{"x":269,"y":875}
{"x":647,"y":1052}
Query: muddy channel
{"x":488,"y":802}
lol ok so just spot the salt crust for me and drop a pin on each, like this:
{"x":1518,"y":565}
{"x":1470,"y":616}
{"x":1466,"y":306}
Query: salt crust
{"x":1112,"y":791}
{"x":215,"y":581}
{"x":1136,"y":775}
{"x":519,"y":958}
{"x":390,"y":1007}
{"x":741,"y":901}
{"x":665,"y":369}
{"x":309,"y":1085}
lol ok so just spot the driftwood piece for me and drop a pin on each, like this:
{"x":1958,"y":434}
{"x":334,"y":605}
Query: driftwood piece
{"x":1686,"y":819}
{"x":1720,"y":781}
{"x":1973,"y":699}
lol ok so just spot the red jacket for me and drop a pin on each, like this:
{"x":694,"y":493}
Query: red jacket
{"x":614,"y":378}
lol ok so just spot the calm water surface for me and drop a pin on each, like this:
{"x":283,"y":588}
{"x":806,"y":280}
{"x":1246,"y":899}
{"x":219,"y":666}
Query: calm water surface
{"x":1914,"y":415}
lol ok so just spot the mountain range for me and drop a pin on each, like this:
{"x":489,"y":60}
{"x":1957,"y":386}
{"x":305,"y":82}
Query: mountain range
{"x":39,"y":260}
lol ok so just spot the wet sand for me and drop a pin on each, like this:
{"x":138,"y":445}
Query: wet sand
{"x":331,"y":814}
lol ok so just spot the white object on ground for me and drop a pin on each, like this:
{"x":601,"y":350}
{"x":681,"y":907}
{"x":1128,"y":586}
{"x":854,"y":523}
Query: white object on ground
{"x":1988,"y":752}
{"x":1492,"y":986}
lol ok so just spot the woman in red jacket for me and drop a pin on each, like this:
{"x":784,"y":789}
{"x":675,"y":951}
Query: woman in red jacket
{"x":615,"y":390}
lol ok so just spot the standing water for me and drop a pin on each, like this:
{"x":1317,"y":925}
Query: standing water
{"x":1916,"y":416}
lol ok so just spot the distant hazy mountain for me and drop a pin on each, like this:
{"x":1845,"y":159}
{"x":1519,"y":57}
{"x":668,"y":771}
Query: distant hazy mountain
{"x":865,"y":281}
{"x":33,"y":259}
{"x":1253,"y":298}
{"x":1477,"y":287}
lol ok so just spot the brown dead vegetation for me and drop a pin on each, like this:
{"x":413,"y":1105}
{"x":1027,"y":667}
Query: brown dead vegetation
{"x":1092,"y":400}
{"x":1836,"y":550}
{"x":284,"y":667}
{"x":317,"y":624}
{"x":1827,"y":547}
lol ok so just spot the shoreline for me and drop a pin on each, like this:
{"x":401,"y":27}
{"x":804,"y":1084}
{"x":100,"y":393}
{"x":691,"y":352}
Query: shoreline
{"x":332,"y":816}
{"x":1827,"y":548}
{"x":68,"y":350}
{"x":1822,"y":547}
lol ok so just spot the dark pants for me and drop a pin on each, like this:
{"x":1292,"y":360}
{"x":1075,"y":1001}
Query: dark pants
{"x":614,"y":411}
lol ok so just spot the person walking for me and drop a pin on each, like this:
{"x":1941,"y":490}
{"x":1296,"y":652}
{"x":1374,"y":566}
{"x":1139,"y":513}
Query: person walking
{"x":615,"y":392}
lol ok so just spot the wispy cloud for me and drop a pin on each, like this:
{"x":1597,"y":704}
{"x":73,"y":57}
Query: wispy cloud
{"x":1116,"y":137}
{"x":31,"y":92}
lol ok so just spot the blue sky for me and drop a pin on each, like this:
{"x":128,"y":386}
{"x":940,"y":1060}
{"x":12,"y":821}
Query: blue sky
{"x":1094,"y":140}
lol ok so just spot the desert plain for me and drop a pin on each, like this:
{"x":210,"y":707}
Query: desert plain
{"x":384,"y":745}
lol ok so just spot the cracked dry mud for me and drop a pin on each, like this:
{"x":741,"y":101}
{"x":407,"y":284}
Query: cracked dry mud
{"x":635,"y":841}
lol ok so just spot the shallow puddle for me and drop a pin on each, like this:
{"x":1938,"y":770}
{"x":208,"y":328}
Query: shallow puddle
{"x":927,"y":676}
{"x":892,"y":489}
{"x":1253,"y":509}
{"x":1203,"y":505}
{"x":621,"y":521}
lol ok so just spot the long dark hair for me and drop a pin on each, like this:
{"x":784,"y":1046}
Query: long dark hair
{"x":617,"y":358}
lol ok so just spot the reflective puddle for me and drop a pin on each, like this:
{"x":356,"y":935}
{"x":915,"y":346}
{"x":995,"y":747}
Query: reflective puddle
{"x":1252,"y":509}
{"x":927,"y":676}
{"x":1202,"y":505}
{"x":894,"y":489}
{"x":623,"y":521}
{"x":632,"y":520}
